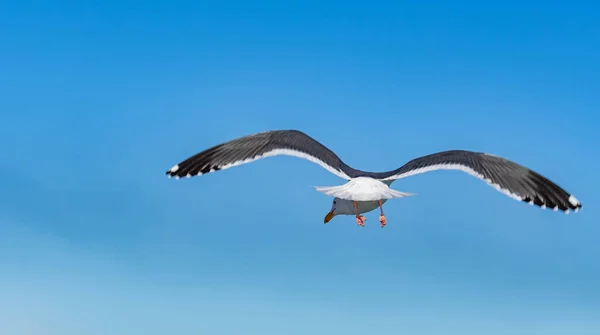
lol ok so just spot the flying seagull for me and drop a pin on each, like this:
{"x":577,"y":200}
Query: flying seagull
{"x":365,"y":191}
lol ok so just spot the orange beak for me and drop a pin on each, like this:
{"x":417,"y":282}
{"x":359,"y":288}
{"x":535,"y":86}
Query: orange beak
{"x":329,"y":216}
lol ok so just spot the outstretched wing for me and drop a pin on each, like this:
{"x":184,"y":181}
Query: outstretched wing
{"x":249,"y":148}
{"x":506,"y":176}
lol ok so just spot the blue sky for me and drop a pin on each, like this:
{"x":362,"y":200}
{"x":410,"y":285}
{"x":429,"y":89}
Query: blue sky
{"x":98,"y":100}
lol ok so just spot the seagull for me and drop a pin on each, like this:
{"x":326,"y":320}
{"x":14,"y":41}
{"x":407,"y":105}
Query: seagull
{"x":365,"y":191}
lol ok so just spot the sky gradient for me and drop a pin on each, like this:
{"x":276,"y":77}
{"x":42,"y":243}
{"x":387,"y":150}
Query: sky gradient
{"x":99,"y":100}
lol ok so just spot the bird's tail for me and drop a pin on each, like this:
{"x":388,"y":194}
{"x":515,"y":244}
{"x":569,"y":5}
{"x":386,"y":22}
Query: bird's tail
{"x":345,"y":192}
{"x":398,"y":194}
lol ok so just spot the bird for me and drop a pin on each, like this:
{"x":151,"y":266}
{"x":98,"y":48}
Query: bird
{"x":365,"y":191}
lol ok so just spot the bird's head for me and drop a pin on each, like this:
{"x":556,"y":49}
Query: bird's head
{"x":339,"y":207}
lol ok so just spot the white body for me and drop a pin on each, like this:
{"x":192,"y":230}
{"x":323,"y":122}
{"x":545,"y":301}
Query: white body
{"x":366,"y":192}
{"x":346,"y":207}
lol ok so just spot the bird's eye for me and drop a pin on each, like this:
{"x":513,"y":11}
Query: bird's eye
{"x":334,"y":202}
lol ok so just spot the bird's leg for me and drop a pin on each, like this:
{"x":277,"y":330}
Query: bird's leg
{"x":360,"y":220}
{"x":382,"y":217}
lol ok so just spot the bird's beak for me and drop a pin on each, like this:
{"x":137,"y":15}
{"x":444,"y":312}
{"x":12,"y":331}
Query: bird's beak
{"x":329,"y":216}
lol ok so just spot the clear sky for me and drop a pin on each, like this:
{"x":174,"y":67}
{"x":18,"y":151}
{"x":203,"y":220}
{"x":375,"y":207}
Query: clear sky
{"x":99,"y":99}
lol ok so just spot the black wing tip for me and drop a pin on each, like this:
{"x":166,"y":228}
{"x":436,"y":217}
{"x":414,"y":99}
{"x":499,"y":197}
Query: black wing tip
{"x":172,"y":172}
{"x":177,"y":175}
{"x":571,"y":205}
{"x":188,"y":171}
